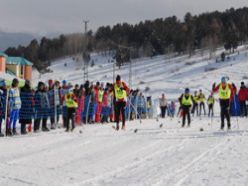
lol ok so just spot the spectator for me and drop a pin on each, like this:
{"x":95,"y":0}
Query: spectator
{"x":163,"y":105}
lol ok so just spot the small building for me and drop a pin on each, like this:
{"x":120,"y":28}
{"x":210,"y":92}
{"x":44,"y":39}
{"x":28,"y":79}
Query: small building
{"x":3,"y":58}
{"x":21,"y":67}
{"x":18,"y":66}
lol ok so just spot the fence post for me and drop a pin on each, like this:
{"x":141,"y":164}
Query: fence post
{"x":146,"y":111}
{"x":129,"y":107}
{"x":55,"y":107}
{"x":87,"y":111}
{"x":6,"y":111}
{"x":136,"y":106}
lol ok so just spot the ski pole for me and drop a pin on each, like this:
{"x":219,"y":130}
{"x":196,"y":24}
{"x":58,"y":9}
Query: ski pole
{"x":137,"y":114}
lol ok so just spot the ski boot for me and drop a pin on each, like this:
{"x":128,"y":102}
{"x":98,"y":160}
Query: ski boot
{"x":123,"y":127}
{"x":45,"y":129}
{"x":14,"y":132}
{"x":117,"y":127}
{"x":72,"y":129}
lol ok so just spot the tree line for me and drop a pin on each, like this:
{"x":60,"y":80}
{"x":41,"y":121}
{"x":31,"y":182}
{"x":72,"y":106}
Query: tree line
{"x":147,"y":38}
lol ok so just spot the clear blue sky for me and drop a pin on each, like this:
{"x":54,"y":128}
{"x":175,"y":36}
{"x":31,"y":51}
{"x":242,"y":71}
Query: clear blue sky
{"x":65,"y":16}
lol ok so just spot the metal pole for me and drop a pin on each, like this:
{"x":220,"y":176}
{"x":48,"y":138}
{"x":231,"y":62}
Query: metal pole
{"x":87,"y":112}
{"x":6,"y":112}
{"x":86,"y":26}
{"x":55,"y":108}
{"x":129,"y":107}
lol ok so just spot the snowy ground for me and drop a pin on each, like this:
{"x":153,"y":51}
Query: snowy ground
{"x":153,"y":156}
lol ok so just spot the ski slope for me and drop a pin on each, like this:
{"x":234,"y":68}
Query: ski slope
{"x":96,"y":155}
{"x":153,"y":156}
{"x":170,"y":75}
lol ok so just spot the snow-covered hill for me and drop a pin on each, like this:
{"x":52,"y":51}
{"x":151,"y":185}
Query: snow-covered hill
{"x":160,"y":74}
{"x":153,"y":156}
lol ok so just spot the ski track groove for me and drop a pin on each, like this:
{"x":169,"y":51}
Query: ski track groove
{"x":189,"y":168}
{"x":18,"y":180}
{"x":91,"y":181}
{"x":27,"y":154}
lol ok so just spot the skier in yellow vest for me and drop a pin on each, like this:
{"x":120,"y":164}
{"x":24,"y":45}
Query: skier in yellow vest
{"x":211,"y":105}
{"x":186,"y":100}
{"x":195,"y":104}
{"x":120,"y":90}
{"x":71,"y":104}
{"x":202,"y":100}
{"x":224,"y":90}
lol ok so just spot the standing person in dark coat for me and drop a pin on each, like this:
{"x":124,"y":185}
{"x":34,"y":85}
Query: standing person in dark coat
{"x":3,"y":95}
{"x":27,"y":108}
{"x":243,"y":96}
{"x":77,"y":91}
{"x":54,"y":101}
{"x":163,"y":105}
{"x":41,"y":108}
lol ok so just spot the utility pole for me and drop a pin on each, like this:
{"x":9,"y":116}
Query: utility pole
{"x":86,"y":62}
{"x":86,"y":26}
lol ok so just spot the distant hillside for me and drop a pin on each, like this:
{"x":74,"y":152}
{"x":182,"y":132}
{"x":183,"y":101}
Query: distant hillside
{"x":147,"y":38}
{"x":14,"y":39}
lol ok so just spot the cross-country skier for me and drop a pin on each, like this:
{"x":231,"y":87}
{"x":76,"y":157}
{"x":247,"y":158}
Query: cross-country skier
{"x":120,"y":90}
{"x":224,"y":90}
{"x":202,"y":100}
{"x":211,"y":105}
{"x":195,"y":104}
{"x":186,"y":100}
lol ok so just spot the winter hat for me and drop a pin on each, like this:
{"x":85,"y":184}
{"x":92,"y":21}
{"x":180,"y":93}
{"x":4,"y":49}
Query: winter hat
{"x":70,"y":85}
{"x":223,"y":80}
{"x":64,"y":82}
{"x":50,"y":82}
{"x":40,"y":84}
{"x":2,"y":84}
{"x":118,"y":78}
{"x":15,"y":82}
{"x":28,"y":83}
{"x":186,"y":90}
